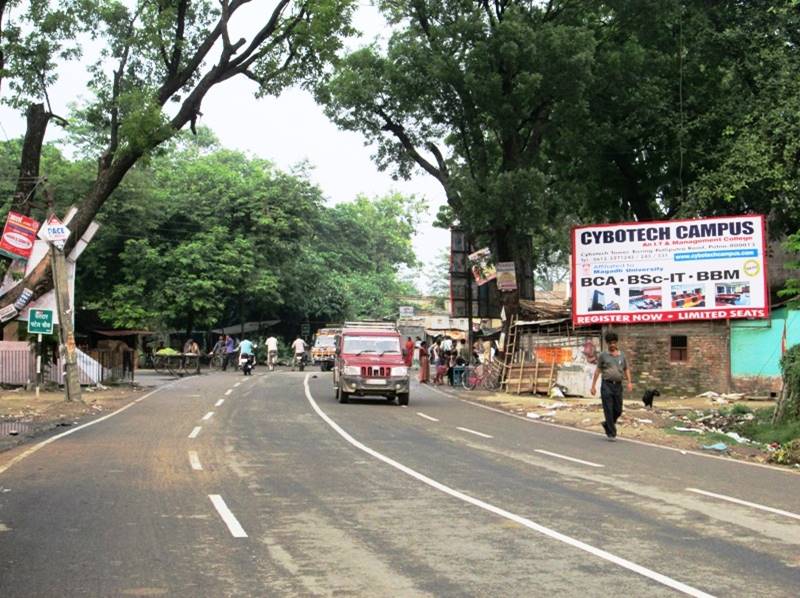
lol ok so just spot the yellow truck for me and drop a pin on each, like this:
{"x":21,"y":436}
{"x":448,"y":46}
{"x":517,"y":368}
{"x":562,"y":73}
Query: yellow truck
{"x":323,"y":351}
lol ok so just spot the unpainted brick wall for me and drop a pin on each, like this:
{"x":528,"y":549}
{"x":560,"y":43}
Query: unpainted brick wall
{"x":647,"y":348}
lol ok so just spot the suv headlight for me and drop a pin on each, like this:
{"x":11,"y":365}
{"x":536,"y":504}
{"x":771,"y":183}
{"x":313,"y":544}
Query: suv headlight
{"x":352,"y":370}
{"x":401,"y":371}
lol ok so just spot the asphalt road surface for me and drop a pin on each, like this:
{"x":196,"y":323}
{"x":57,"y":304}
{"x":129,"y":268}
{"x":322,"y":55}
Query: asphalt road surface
{"x":225,"y":485}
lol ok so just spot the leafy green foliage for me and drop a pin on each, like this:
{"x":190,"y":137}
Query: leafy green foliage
{"x":202,"y":236}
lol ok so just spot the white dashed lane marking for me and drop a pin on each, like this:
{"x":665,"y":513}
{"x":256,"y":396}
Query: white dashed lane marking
{"x":195,"y":432}
{"x":208,"y":415}
{"x":745,"y":503}
{"x":573,"y":459}
{"x":433,"y":419}
{"x":218,"y":403}
{"x":481,"y":434}
{"x":237,"y":531}
{"x":194,"y":461}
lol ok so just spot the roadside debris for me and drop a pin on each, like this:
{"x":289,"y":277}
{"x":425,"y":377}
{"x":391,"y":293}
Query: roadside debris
{"x":719,"y":446}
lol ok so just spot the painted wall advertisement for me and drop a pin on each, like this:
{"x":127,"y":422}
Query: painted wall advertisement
{"x":671,"y":271}
{"x":19,"y":234}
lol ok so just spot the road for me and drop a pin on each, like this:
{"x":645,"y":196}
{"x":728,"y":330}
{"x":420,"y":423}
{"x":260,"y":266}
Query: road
{"x":225,"y":485}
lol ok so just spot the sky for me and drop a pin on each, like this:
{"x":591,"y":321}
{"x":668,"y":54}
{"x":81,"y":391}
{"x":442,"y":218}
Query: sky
{"x":287,"y":130}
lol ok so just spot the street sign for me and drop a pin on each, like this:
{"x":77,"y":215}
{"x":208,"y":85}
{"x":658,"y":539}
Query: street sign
{"x":406,"y":311}
{"x":40,"y":321}
{"x":54,"y":231}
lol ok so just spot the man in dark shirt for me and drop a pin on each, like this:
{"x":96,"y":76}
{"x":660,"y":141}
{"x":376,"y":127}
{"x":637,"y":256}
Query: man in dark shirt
{"x":614,"y":368}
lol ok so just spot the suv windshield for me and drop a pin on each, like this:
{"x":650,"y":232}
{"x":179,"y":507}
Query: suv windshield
{"x":371,"y":344}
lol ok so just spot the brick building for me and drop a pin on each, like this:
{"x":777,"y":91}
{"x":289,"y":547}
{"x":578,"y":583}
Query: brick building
{"x":678,"y":359}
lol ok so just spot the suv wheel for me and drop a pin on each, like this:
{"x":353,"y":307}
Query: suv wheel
{"x":341,"y":396}
{"x":402,"y":398}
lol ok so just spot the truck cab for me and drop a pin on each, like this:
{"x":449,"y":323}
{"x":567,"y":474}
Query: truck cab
{"x":369,"y":362}
{"x":323,"y":351}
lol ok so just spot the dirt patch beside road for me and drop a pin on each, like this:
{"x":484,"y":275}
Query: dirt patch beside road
{"x":656,"y":425}
{"x":24,"y":416}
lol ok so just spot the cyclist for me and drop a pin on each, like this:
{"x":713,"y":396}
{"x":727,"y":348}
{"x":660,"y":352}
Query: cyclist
{"x":272,"y":352}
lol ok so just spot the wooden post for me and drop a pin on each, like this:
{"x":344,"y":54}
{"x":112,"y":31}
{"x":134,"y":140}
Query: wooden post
{"x":72,"y":386}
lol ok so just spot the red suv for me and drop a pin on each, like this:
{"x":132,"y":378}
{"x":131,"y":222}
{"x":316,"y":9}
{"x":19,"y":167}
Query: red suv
{"x":369,"y":361}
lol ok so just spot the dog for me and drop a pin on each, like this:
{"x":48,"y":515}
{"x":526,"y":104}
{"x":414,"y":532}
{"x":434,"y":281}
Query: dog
{"x":648,"y":396}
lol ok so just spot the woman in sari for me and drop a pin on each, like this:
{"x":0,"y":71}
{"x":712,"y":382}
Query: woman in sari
{"x":423,"y":363}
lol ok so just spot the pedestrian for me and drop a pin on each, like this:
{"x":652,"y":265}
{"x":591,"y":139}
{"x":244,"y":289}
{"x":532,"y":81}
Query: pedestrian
{"x":230,"y":352}
{"x":408,"y":355}
{"x":614,"y":367}
{"x":424,"y":370}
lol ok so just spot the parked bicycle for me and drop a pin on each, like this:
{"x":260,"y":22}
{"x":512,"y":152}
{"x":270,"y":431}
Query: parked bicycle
{"x":479,"y":376}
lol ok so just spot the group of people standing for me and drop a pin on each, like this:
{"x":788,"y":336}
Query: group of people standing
{"x":441,"y":358}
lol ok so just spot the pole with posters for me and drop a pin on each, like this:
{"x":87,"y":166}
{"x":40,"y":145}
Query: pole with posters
{"x":72,"y":384}
{"x":56,"y":233}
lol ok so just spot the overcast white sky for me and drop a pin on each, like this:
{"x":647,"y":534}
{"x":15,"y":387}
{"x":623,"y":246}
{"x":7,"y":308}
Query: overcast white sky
{"x":286,"y":130}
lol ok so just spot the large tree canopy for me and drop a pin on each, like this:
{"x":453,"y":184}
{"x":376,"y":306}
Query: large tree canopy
{"x":470,"y":92}
{"x":158,"y":62}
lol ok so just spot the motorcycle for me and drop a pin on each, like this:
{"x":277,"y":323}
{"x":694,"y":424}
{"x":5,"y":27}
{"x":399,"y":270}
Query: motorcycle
{"x":246,"y":363}
{"x":299,"y":361}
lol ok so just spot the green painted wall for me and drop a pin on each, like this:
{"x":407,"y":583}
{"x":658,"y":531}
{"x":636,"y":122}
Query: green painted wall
{"x":756,"y":344}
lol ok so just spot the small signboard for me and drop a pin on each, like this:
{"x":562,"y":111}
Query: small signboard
{"x":506,"y":276}
{"x":40,"y":321}
{"x":406,"y":311}
{"x":19,"y":234}
{"x":54,"y":231}
{"x":483,"y":270}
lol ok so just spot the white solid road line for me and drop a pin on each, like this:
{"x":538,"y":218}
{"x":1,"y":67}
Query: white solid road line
{"x":228,"y":392}
{"x":481,"y":434}
{"x":194,"y":461}
{"x":581,"y":461}
{"x":36,"y":447}
{"x":195,"y":432}
{"x":433,"y":419}
{"x":208,"y":415}
{"x":237,"y":531}
{"x":738,"y":501}
{"x":218,"y":403}
{"x":598,"y":552}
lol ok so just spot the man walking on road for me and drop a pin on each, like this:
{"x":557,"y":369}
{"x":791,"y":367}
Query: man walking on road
{"x":272,"y":352}
{"x":614,"y":367}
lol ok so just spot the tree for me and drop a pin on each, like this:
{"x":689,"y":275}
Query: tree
{"x":470,"y":92}
{"x":166,"y":57}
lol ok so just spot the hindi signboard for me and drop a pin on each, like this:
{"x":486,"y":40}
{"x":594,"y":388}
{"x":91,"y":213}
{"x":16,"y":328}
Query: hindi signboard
{"x":671,"y":271}
{"x":19,"y":234}
{"x":40,"y":321}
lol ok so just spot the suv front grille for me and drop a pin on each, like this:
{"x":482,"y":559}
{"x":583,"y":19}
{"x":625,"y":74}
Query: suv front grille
{"x":376,"y":372}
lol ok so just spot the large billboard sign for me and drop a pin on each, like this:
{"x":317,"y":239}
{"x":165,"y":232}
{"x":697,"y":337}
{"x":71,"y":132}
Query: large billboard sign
{"x":672,"y":271}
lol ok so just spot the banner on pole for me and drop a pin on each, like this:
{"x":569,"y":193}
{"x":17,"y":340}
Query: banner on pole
{"x":19,"y":234}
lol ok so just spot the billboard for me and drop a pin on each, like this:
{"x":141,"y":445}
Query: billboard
{"x":671,"y":271}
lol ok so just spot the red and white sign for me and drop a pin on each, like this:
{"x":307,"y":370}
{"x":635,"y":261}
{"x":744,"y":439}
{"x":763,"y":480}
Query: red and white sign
{"x":54,"y":231}
{"x":18,"y":236}
{"x":670,"y":271}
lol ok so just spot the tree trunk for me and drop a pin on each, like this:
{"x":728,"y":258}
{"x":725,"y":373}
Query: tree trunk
{"x":37,"y":119}
{"x":516,"y":247}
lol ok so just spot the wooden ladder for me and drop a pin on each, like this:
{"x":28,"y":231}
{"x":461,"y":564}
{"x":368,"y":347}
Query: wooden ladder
{"x":508,"y":355}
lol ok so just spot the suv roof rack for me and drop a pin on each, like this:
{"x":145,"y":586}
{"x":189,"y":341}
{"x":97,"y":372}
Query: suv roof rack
{"x":369,"y":325}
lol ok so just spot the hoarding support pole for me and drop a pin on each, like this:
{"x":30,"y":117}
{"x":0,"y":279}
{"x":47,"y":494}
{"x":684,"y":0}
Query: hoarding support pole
{"x":72,"y":386}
